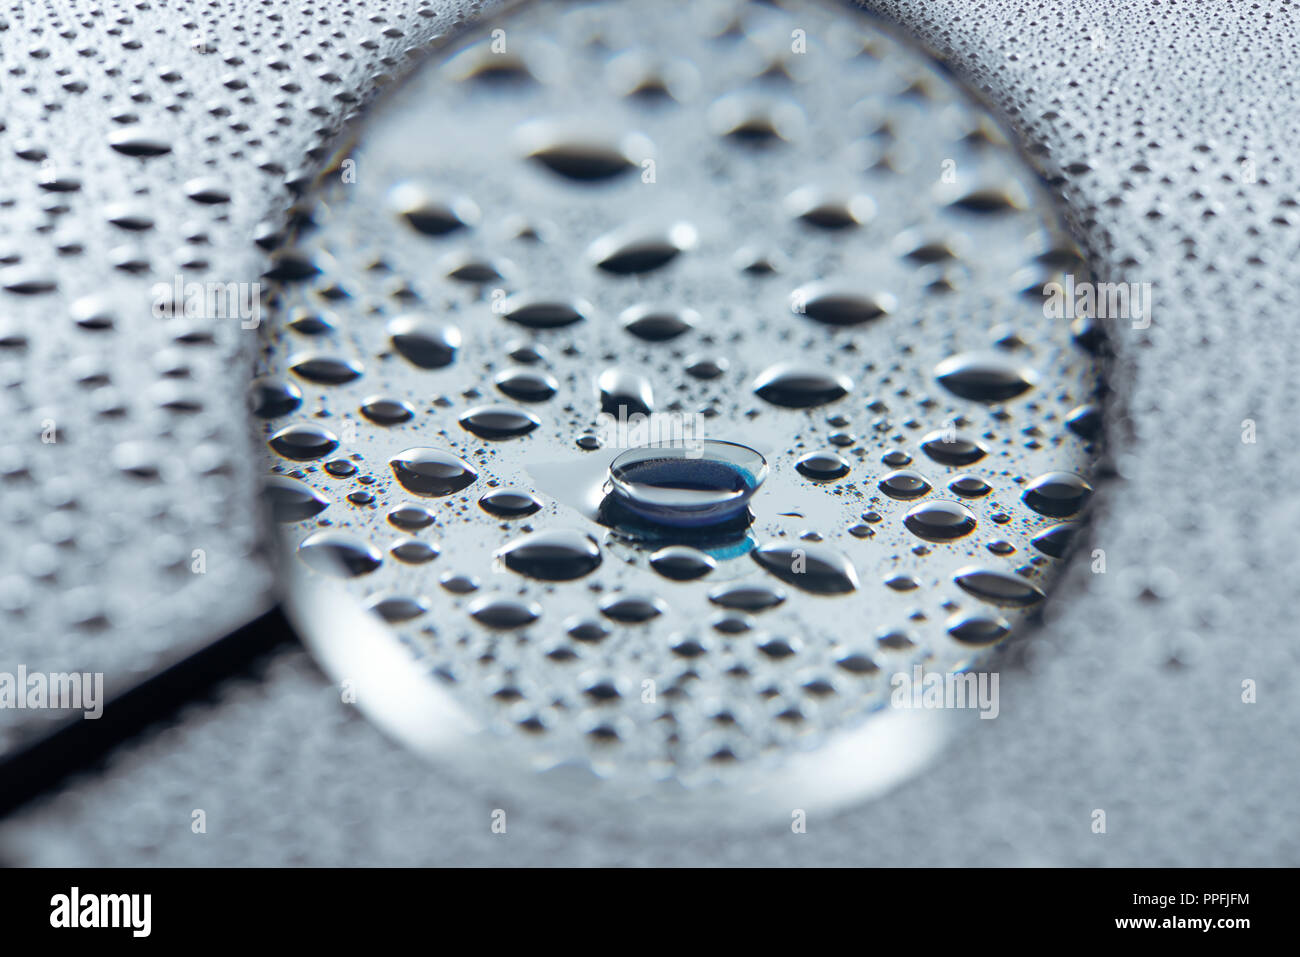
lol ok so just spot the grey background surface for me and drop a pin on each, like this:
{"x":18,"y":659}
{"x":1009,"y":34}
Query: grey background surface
{"x":1129,"y":697}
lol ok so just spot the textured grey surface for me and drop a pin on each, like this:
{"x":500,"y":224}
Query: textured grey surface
{"x":128,"y":489}
{"x":1129,"y":698}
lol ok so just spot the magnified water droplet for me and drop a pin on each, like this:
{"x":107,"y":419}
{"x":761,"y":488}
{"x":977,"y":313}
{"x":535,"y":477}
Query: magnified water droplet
{"x":526,"y":385}
{"x":271,"y":398}
{"x":750,"y":598}
{"x":414,"y":552}
{"x":423,"y":342}
{"x":823,"y":466}
{"x":984,"y":377}
{"x":425,"y":471}
{"x":303,"y":441}
{"x":553,"y":555}
{"x":904,"y":484}
{"x":1055,"y":541}
{"x":499,"y":422}
{"x":509,"y":503}
{"x":140,"y":141}
{"x":838,"y":306}
{"x":410,"y":516}
{"x":327,"y":370}
{"x":582,"y":157}
{"x":818,"y":569}
{"x":978,"y":629}
{"x":682,"y":563}
{"x":1057,"y":494}
{"x":948,"y":448}
{"x":632,"y":609}
{"x":339,"y":554}
{"x":800,"y":388}
{"x":431,"y":215}
{"x":544,"y":313}
{"x":291,"y":500}
{"x":626,"y":253}
{"x":969,"y":486}
{"x":384,"y":411}
{"x":939,"y":521}
{"x":624,"y":393}
{"x":658,"y":325}
{"x":998,"y":587}
{"x":504,"y":613}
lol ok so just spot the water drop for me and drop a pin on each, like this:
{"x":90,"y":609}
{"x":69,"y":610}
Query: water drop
{"x":339,"y":554}
{"x":682,"y":563}
{"x":984,"y":377}
{"x":499,"y":422}
{"x":426,"y":471}
{"x":424,"y":342}
{"x":817,"y":569}
{"x":796,"y":387}
{"x":291,"y":500}
{"x":553,"y":555}
{"x":939,"y":521}
{"x":303,"y":440}
{"x":949,"y":448}
{"x":904,"y":484}
{"x":998,"y":587}
{"x":509,"y":503}
{"x":822,"y":466}
{"x":1057,"y":494}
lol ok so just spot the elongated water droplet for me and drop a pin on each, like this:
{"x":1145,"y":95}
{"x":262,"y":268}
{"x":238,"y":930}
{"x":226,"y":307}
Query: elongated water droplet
{"x":425,"y":471}
{"x":303,"y":440}
{"x":1057,"y":494}
{"x":797,"y":387}
{"x":817,"y":569}
{"x":499,"y":422}
{"x":984,"y":377}
{"x":339,"y":553}
{"x":998,"y":587}
{"x":939,"y":521}
{"x":553,"y":555}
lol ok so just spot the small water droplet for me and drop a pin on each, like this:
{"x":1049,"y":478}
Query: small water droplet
{"x":504,"y":613}
{"x":949,"y":448}
{"x":499,"y":422}
{"x":904,"y":484}
{"x":339,"y":554}
{"x":303,"y":440}
{"x":1057,"y":494}
{"x":682,"y":563}
{"x":291,"y":500}
{"x":424,"y":342}
{"x":553,"y":555}
{"x":426,"y":471}
{"x":509,"y":503}
{"x":817,"y":569}
{"x":998,"y":587}
{"x":823,"y":466}
{"x":984,"y":377}
{"x":794,"y":387}
{"x":939,"y":521}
